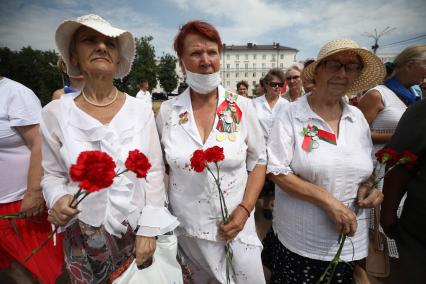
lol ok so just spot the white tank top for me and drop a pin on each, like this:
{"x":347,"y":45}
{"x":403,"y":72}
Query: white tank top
{"x":394,"y":108}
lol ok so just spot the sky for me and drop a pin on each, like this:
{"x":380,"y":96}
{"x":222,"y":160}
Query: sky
{"x":302,"y":24}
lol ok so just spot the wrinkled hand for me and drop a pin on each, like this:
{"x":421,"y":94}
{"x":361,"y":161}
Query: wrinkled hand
{"x":144,"y":249}
{"x":237,"y":220}
{"x":33,"y":203}
{"x":343,"y":217}
{"x":368,"y":200}
{"x":62,"y":213}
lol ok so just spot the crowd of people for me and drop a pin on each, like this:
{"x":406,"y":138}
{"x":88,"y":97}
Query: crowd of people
{"x":307,"y":147}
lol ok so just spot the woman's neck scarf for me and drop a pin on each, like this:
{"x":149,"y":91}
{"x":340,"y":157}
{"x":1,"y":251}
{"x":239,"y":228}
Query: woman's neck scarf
{"x":405,"y":94}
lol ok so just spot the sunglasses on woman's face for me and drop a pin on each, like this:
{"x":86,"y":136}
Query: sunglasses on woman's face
{"x":292,"y":78}
{"x":276,"y":84}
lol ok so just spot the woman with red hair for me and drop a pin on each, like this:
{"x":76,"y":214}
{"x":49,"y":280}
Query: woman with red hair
{"x":207,"y":115}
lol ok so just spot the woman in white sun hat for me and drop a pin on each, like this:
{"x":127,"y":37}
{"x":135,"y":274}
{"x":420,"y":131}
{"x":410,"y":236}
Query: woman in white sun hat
{"x":110,"y":224}
{"x":319,"y":158}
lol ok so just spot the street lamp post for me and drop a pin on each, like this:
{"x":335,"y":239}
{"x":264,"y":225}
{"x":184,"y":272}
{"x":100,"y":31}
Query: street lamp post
{"x":376,"y":36}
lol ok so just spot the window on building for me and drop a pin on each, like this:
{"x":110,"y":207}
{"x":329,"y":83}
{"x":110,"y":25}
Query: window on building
{"x":246,"y":66}
{"x":228,"y":66}
{"x":273,"y":64}
{"x":264,"y":56}
{"x":228,"y":57}
{"x":254,"y":56}
{"x":237,"y":74}
{"x":246,"y":74}
{"x":281,"y":56}
{"x":237,"y":65}
{"x":254,"y":83}
{"x":228,"y":84}
{"x":263,"y":74}
{"x":227,"y":75}
{"x":237,"y":56}
{"x":254,"y":65}
{"x":273,"y":56}
{"x":263,"y":65}
{"x":281,"y":65}
{"x":254,"y":74}
{"x":246,"y":56}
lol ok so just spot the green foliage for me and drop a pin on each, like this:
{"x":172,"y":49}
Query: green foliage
{"x":167,"y":73}
{"x":143,"y":67}
{"x":32,"y":68}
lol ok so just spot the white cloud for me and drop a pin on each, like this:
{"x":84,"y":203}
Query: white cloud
{"x":305,"y":25}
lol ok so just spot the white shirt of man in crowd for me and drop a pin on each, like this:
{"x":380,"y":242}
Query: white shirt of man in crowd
{"x":144,"y":94}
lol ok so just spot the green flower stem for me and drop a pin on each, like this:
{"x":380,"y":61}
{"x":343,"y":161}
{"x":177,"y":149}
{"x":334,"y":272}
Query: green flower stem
{"x":19,"y":215}
{"x":72,"y":205}
{"x":225,"y":218}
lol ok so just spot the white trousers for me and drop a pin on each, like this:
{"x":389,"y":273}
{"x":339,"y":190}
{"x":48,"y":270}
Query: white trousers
{"x":206,"y":259}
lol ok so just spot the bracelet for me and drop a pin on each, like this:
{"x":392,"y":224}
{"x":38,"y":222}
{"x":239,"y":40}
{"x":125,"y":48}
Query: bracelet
{"x":245,"y":208}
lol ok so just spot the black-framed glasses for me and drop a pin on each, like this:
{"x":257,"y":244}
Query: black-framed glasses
{"x":292,"y":78}
{"x":276,"y":84}
{"x":350,"y":68}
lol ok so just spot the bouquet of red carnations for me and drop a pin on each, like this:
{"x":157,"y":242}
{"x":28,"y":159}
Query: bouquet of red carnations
{"x":94,"y":171}
{"x":199,"y":161}
{"x":387,"y":159}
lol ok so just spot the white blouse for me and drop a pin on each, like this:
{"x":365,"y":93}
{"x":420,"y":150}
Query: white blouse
{"x":193,"y":196}
{"x":265,"y":114}
{"x":301,"y":226}
{"x":19,"y":106}
{"x":67,"y":131}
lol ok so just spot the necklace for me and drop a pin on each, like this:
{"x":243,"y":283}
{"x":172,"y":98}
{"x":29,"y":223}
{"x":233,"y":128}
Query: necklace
{"x":100,"y":105}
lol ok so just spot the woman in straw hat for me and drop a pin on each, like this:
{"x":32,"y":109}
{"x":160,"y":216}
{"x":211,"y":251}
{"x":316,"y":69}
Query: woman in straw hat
{"x":319,"y":158}
{"x":110,"y":225}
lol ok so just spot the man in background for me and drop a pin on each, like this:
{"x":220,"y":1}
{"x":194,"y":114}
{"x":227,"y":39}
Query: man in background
{"x":143,"y":93}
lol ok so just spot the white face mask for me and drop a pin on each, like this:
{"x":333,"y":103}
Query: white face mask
{"x":202,"y":83}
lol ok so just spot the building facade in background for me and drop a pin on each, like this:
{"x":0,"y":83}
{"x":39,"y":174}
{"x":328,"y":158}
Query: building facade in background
{"x":251,"y":62}
{"x":248,"y":62}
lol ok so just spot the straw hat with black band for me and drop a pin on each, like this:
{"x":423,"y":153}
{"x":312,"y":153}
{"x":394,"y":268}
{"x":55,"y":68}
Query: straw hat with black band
{"x":373,"y":71}
{"x":126,"y":44}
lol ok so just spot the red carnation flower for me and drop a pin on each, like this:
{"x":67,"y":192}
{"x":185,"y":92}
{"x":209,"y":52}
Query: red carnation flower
{"x":387,"y":156}
{"x":214,"y":154}
{"x":198,"y":161}
{"x":409,"y":159}
{"x":138,"y":163}
{"x":94,"y":170}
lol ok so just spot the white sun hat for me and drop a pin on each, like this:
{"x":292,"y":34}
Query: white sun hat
{"x":373,"y":71}
{"x":126,"y":44}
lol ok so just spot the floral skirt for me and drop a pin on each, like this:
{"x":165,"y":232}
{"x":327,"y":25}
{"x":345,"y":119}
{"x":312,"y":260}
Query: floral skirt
{"x":291,"y":268}
{"x":92,"y":254}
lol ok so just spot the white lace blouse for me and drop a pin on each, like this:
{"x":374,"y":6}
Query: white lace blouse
{"x":193,"y":196}
{"x":302,"y":227}
{"x":67,"y":131}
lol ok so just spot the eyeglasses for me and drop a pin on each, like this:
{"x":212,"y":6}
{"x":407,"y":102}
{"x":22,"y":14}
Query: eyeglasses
{"x":350,"y":68}
{"x":292,"y":78}
{"x":276,"y":84}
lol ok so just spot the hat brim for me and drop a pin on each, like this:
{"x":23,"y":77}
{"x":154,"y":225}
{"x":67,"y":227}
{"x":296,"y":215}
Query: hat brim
{"x":66,"y":30}
{"x":372,"y":73}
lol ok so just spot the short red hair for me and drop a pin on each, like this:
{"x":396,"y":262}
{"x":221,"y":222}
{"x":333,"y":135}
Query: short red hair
{"x":200,"y":28}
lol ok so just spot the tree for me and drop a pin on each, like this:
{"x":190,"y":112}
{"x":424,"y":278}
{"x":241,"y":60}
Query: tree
{"x":143,"y":67}
{"x":33,"y":69}
{"x":167,"y":73}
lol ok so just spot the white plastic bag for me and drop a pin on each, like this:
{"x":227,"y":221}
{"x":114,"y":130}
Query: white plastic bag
{"x":164,"y":268}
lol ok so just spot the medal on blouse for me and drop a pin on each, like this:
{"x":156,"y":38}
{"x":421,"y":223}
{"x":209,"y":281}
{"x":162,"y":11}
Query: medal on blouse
{"x":183,"y":117}
{"x":313,"y":134}
{"x":229,"y":114}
